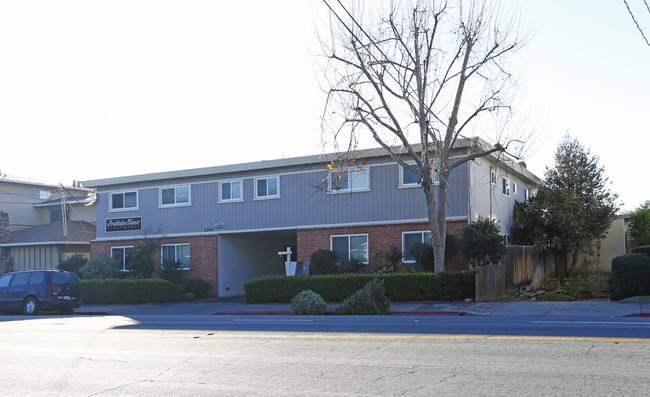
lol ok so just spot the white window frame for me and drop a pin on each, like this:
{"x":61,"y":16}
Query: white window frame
{"x":332,"y":237}
{"x":231,"y":200}
{"x":175,"y":203}
{"x":349,"y":189}
{"x":404,"y":247}
{"x":505,"y":186}
{"x":38,"y":194}
{"x":123,"y":248}
{"x":176,"y":245}
{"x":267,"y":196}
{"x":402,"y":185}
{"x":526,"y":194}
{"x":514,"y":187}
{"x":493,"y":175}
{"x":123,"y":193}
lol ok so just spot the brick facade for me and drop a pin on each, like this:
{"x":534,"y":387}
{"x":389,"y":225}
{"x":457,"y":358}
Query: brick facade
{"x":203,"y":255}
{"x":380,"y":239}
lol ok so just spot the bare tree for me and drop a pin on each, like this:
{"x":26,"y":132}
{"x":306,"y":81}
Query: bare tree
{"x":417,"y":77}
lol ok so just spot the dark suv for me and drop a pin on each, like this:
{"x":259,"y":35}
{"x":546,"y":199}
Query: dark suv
{"x":34,"y":290}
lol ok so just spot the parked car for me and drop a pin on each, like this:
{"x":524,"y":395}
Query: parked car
{"x":34,"y":290}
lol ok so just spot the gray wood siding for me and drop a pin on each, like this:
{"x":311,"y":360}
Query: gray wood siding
{"x":300,"y":205}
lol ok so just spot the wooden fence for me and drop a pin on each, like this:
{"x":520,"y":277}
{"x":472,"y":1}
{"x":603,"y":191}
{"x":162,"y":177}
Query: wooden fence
{"x":522,"y":266}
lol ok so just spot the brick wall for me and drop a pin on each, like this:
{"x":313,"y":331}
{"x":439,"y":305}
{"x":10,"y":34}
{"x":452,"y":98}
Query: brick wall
{"x":203,"y":255}
{"x":380,"y":239}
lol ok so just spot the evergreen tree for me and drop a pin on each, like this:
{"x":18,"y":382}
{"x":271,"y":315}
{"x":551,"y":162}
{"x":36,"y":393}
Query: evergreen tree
{"x":640,"y":225}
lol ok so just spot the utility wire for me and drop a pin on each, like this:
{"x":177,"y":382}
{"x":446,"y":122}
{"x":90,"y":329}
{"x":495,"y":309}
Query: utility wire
{"x":635,"y":22}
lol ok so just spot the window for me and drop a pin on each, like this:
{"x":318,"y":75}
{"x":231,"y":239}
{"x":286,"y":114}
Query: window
{"x":506,"y":187}
{"x":349,"y":180}
{"x":230,"y":191}
{"x":124,"y":200}
{"x":409,"y":178}
{"x":493,"y":175}
{"x":55,"y":215}
{"x":176,"y":253}
{"x":267,"y":187}
{"x":354,"y":246}
{"x":409,"y":241}
{"x":179,"y":195}
{"x":514,"y":187}
{"x":526,"y":194}
{"x":38,"y":194}
{"x":121,"y":254}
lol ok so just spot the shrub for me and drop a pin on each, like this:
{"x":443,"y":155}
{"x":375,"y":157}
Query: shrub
{"x":351,"y":266}
{"x":369,"y":300}
{"x":197,"y":287}
{"x":128,"y":291}
{"x":308,"y":303}
{"x":399,"y":287}
{"x":640,"y":225}
{"x":323,"y":262}
{"x":99,"y":267}
{"x":73,"y":264}
{"x":482,"y":243}
{"x":139,"y":260}
{"x":644,"y":249}
{"x":423,"y":254}
{"x":630,"y":276}
{"x":171,"y":271}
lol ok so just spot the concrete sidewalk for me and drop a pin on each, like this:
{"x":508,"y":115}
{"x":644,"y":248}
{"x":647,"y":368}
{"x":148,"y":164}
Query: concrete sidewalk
{"x":633,"y":307}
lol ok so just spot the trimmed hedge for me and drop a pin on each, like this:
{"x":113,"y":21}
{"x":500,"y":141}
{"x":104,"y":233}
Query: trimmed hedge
{"x":399,"y":287}
{"x":114,"y":291}
{"x":630,"y":276}
{"x":644,"y":249}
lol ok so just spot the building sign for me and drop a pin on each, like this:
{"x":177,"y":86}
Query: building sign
{"x":122,"y":224}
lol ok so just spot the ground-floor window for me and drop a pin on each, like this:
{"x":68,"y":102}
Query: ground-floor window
{"x":176,"y":253}
{"x":353,"y":246}
{"x":410,"y":240}
{"x":121,"y":254}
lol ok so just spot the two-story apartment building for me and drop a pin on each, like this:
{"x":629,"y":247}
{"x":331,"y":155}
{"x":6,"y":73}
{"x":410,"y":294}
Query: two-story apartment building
{"x":226,"y":224}
{"x":44,"y":223}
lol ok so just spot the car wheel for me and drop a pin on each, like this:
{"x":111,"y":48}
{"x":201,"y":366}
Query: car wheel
{"x":30,"y":306}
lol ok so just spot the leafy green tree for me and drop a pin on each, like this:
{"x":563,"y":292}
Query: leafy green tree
{"x":139,"y":260}
{"x":640,"y":225}
{"x":99,"y":267}
{"x":483,"y":243}
{"x":73,"y":264}
{"x":573,"y":209}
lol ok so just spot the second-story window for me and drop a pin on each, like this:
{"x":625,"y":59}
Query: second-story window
{"x":267,"y":187}
{"x":506,"y":187}
{"x":409,"y":178}
{"x":179,"y":195}
{"x":349,"y":180}
{"x":230,"y":191}
{"x":124,"y":200}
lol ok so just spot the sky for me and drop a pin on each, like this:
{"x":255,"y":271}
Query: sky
{"x":99,"y":89}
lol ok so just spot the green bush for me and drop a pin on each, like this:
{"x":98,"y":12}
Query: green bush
{"x":324,"y":262}
{"x":308,"y":303}
{"x":113,"y":291}
{"x":172,"y":271}
{"x":99,"y":267}
{"x":73,"y":264}
{"x":557,"y":298}
{"x":399,"y":287}
{"x":139,"y":260}
{"x":369,"y":300}
{"x":644,"y":249}
{"x":630,"y":276}
{"x":196,"y":286}
{"x":483,"y":244}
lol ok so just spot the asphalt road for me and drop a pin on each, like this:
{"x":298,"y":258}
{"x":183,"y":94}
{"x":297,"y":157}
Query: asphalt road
{"x":260,"y":356}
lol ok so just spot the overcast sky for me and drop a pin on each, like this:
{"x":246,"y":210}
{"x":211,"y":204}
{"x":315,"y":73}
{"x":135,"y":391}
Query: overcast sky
{"x":93,"y":89}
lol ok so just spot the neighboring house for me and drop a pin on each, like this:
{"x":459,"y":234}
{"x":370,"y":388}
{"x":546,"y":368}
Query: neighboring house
{"x":226,"y":224}
{"x":44,"y":223}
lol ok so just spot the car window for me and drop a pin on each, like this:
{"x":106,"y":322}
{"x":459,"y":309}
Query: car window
{"x":4,"y":280}
{"x":20,"y":279}
{"x":37,"y":278}
{"x":61,"y":278}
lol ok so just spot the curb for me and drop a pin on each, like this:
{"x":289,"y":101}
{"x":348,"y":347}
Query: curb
{"x":281,"y":313}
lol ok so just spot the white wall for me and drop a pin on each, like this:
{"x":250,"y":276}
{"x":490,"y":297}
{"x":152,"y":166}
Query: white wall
{"x":612,"y":245}
{"x":243,"y":258}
